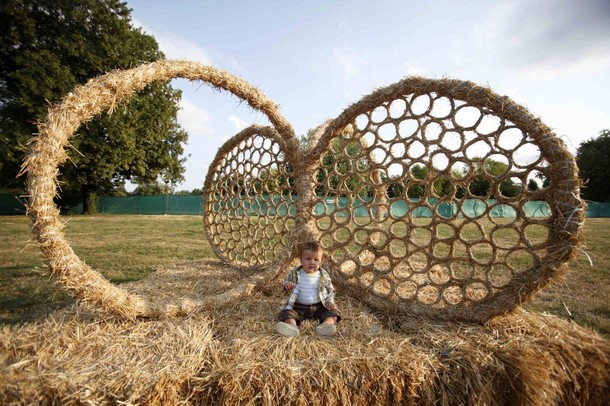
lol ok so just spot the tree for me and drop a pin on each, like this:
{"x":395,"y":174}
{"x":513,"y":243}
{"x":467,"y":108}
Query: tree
{"x":153,"y":188}
{"x":441,"y":186}
{"x":268,"y":181}
{"x":481,"y":186}
{"x":50,"y":46}
{"x":416,"y":191}
{"x":339,"y":169}
{"x":396,"y":188}
{"x":532,"y":185}
{"x":546,"y":182}
{"x":592,"y":159}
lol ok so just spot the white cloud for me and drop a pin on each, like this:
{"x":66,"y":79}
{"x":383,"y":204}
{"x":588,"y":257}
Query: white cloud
{"x":413,"y":69}
{"x":347,"y":62}
{"x":595,"y":61}
{"x":547,"y":38}
{"x":176,"y":47}
{"x":194,"y":120}
{"x":238,"y":123}
{"x":180,"y":48}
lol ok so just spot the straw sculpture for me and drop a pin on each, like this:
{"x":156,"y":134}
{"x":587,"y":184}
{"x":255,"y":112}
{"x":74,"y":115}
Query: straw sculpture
{"x":229,"y":354}
{"x":351,"y":188}
{"x":47,"y":153}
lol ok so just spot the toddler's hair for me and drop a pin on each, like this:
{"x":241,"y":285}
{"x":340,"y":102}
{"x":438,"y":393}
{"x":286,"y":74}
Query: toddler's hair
{"x":311,"y":246}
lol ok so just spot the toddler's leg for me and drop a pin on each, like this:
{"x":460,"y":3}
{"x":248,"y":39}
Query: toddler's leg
{"x":288,"y":324}
{"x":330,"y":320}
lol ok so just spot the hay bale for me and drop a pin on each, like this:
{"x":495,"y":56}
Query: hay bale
{"x":231,"y":355}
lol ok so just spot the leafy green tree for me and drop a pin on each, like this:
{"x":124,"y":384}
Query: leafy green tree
{"x":508,"y":188}
{"x":345,"y":156}
{"x":265,"y":181}
{"x":416,"y":191}
{"x":441,"y":186}
{"x":396,"y":187}
{"x":119,"y":191}
{"x":152,"y":188}
{"x":182,"y":192}
{"x":532,"y":185}
{"x":234,"y":184}
{"x":546,"y":182}
{"x":50,"y":46}
{"x":594,"y":165}
{"x":481,"y":186}
{"x":269,"y":181}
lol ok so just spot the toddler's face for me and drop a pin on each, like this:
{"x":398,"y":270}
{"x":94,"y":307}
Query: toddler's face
{"x":311,"y":260}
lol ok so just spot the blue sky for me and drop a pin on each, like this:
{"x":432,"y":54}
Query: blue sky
{"x":315,"y":57}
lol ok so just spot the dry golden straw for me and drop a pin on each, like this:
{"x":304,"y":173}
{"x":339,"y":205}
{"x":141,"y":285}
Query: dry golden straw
{"x":230,"y":355}
{"x":47,"y":153}
{"x":264,"y":198}
{"x":266,"y":193}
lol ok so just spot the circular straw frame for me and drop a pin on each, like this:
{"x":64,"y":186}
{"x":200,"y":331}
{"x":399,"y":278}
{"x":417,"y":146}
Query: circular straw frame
{"x":351,"y":188}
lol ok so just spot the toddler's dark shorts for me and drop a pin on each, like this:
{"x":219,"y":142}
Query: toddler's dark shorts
{"x":301,"y":312}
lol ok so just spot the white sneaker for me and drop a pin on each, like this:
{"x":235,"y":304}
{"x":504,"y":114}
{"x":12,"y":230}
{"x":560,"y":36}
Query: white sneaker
{"x":326,"y":329}
{"x":288,"y":330}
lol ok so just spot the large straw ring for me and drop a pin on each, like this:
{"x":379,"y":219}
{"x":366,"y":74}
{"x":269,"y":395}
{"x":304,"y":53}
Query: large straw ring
{"x":47,"y":154}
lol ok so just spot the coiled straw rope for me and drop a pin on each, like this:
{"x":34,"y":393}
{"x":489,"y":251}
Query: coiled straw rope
{"x":352,"y":187}
{"x":47,"y":153}
{"x":451,"y":266}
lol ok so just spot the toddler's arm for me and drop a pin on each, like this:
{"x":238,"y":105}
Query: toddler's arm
{"x":289,"y":281}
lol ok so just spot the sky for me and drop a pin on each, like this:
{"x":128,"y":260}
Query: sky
{"x":316,"y":57}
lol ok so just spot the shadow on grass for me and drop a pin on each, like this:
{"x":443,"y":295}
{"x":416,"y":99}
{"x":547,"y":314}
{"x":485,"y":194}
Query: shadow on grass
{"x":26,"y":308}
{"x":28,"y":294}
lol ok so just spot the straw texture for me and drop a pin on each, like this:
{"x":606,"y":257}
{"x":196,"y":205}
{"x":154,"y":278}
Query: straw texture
{"x":230,"y":354}
{"x":47,"y":152}
{"x":349,"y":187}
{"x":266,"y":193}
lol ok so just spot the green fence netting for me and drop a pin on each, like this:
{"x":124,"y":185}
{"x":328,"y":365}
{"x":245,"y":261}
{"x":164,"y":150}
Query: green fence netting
{"x":365,"y":208}
{"x":598,"y":210}
{"x":167,"y":204}
{"x":340,"y":207}
{"x":11,"y":204}
{"x":278,"y":205}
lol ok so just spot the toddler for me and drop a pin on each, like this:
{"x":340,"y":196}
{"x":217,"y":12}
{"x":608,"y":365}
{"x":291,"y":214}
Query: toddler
{"x":312,"y":297}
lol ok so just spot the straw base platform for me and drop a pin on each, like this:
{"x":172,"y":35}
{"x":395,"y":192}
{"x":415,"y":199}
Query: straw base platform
{"x":231,"y":354}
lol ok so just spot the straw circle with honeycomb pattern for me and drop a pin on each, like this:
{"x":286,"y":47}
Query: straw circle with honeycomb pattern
{"x":420,"y":193}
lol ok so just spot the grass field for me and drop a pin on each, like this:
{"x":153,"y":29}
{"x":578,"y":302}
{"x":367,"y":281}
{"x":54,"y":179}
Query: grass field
{"x":126,"y":248}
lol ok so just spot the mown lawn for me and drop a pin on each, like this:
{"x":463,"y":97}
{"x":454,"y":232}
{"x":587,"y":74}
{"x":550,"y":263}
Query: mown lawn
{"x":122,"y":248}
{"x":126,"y":248}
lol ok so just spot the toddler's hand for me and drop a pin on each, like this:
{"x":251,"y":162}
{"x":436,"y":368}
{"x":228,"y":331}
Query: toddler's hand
{"x":331,"y":306}
{"x":289,"y":285}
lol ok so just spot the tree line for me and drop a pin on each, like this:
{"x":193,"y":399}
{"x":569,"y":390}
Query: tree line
{"x":593,"y":159}
{"x":48,"y":47}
